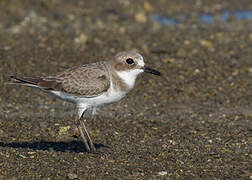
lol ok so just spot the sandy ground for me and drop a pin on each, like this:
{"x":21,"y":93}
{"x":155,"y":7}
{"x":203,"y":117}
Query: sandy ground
{"x":192,"y":123}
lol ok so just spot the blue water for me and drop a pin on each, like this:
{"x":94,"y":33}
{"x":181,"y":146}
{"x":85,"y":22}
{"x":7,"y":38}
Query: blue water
{"x":205,"y":18}
{"x":243,"y":15}
{"x":224,"y":16}
{"x":164,"y":20}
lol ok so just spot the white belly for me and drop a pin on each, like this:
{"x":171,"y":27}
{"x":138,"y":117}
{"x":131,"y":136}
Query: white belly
{"x":110,"y":96}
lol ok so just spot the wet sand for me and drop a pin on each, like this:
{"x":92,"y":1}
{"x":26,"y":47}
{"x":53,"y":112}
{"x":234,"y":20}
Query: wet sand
{"x":192,"y":123}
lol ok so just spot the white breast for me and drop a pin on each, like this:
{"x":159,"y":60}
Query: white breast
{"x":129,"y":77}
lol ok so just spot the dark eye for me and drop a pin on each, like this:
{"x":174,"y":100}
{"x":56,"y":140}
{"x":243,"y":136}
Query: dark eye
{"x":129,"y":61}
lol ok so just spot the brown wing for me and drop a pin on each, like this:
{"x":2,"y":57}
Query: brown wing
{"x":88,"y":80}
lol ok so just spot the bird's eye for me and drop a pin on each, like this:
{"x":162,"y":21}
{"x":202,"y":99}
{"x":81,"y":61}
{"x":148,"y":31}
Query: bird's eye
{"x":129,"y":61}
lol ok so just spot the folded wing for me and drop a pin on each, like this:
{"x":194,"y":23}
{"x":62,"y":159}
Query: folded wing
{"x":89,"y":80}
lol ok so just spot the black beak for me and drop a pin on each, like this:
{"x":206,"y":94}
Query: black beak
{"x":152,"y":71}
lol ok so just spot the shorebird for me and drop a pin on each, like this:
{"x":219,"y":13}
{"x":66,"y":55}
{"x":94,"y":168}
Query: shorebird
{"x":91,"y":85}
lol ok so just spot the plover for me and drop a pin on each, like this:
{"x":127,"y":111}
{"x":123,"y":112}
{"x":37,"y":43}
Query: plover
{"x":91,"y":85}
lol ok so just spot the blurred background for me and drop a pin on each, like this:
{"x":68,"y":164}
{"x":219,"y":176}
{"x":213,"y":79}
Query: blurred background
{"x":194,"y":122}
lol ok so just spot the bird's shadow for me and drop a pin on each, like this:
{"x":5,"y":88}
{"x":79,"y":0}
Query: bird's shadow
{"x":74,"y":146}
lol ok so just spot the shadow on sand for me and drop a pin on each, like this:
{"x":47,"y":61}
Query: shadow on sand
{"x":71,"y":146}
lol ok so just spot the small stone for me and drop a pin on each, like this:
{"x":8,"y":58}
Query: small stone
{"x":71,"y":17}
{"x":122,"y":30}
{"x":168,"y":60}
{"x":64,"y":130}
{"x":162,"y":173}
{"x":147,"y":6}
{"x":72,"y":176}
{"x":235,"y":73}
{"x":186,"y":42}
{"x":141,"y":17}
{"x":206,"y":43}
{"x":81,"y":39}
{"x":197,"y":71}
{"x":22,"y":156}
{"x":6,"y":48}
{"x":31,"y":152}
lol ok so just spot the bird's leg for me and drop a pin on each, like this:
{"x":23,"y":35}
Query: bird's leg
{"x":88,"y":143}
{"x":83,"y":136}
{"x":84,"y":139}
{"x":92,"y":147}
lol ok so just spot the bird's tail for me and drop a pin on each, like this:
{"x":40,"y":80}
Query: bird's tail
{"x":25,"y":81}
